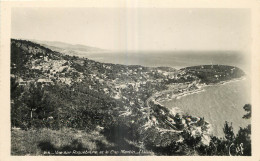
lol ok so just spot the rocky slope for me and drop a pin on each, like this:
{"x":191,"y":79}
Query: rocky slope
{"x":54,"y":90}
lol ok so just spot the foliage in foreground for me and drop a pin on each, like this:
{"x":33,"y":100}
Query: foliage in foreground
{"x":119,"y":135}
{"x":35,"y":107}
{"x":79,"y":107}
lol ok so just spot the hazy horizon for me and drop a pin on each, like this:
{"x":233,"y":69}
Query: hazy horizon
{"x":145,"y":51}
{"x":140,"y":29}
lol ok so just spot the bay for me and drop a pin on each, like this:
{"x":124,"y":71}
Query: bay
{"x":217,"y":104}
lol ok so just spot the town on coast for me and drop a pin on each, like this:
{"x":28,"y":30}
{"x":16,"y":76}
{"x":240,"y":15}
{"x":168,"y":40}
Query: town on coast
{"x":119,"y":103}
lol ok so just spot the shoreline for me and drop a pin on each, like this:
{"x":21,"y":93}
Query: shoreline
{"x":201,"y":88}
{"x":179,"y":110}
{"x":224,"y":82}
{"x":157,"y":98}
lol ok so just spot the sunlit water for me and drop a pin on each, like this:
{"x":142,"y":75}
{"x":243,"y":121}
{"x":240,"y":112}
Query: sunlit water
{"x":217,"y":104}
{"x":176,"y":59}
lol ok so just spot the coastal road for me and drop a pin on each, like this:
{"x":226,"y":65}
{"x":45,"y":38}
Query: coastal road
{"x":158,"y":94}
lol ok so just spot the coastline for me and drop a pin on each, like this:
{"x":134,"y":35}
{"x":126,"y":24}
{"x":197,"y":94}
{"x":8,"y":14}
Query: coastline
{"x":200,"y":88}
{"x":178,"y":109}
{"x":225,"y":82}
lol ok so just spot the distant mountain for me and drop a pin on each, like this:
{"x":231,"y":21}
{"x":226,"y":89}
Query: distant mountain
{"x":56,"y":91}
{"x":69,"y":49}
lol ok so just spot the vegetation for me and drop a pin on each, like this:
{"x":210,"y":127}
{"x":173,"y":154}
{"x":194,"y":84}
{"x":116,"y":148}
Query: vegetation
{"x":59,"y":101}
{"x":214,"y":73}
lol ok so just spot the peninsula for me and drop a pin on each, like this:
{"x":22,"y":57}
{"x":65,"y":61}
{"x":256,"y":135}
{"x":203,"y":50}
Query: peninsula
{"x":121,"y":103}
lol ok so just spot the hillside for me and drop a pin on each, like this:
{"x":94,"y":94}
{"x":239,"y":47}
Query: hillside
{"x":57,"y":91}
{"x":69,"y":49}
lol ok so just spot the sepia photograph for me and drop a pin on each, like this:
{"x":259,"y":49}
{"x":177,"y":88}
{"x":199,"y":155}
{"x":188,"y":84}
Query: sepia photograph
{"x":119,"y":81}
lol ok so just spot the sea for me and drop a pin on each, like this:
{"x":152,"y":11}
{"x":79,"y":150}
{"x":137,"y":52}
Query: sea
{"x":175,"y":59}
{"x":217,"y":103}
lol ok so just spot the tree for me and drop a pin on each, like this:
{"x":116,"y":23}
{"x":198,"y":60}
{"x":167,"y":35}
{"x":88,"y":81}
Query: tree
{"x":16,"y":104}
{"x":243,"y":138}
{"x":247,"y":108}
{"x":241,"y":143}
{"x":38,"y":103}
{"x":228,"y":131}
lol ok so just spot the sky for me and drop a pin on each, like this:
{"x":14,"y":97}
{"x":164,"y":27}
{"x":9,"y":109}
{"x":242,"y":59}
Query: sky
{"x":137,"y":28}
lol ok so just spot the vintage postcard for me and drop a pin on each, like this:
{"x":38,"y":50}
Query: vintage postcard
{"x":121,"y":79}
